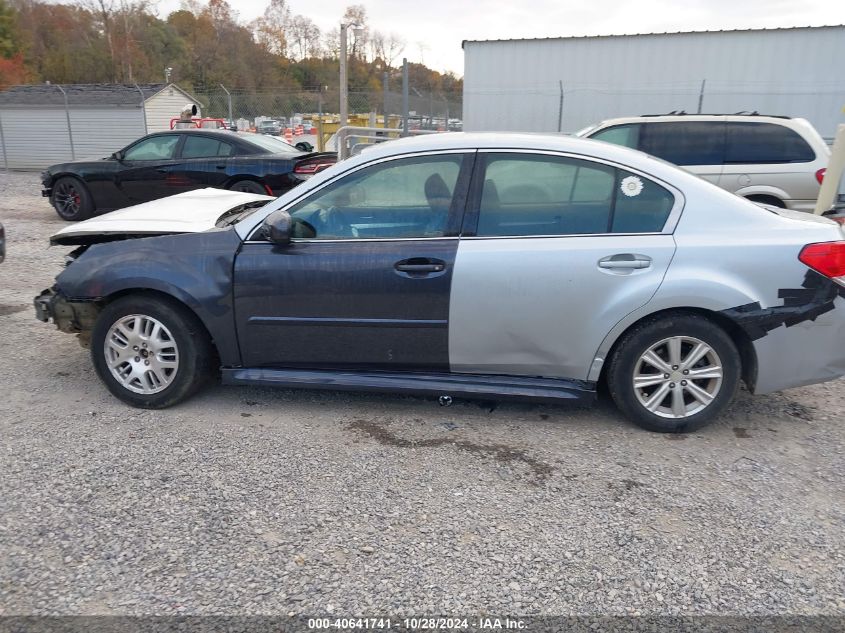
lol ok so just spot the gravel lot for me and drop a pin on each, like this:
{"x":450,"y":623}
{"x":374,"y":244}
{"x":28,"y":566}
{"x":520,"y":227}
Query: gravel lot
{"x":258,"y":501}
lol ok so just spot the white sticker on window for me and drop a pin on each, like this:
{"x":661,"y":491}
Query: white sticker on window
{"x":631,"y":186}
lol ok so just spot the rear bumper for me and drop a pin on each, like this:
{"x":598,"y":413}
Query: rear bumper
{"x":803,"y":353}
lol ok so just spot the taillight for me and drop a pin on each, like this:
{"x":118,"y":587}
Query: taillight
{"x":828,"y":258}
{"x":309,"y":168}
{"x":820,"y":174}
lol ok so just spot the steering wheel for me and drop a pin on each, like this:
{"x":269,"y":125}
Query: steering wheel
{"x":331,"y":222}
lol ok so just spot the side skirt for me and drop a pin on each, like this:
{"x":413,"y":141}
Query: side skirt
{"x":455,"y":385}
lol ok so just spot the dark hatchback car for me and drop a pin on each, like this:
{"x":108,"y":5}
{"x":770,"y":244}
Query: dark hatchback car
{"x":167,"y":163}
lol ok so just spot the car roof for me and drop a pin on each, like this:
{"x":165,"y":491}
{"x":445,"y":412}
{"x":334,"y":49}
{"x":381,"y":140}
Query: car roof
{"x":660,"y":118}
{"x":200,"y":131}
{"x":486,"y":141}
{"x":506,"y":141}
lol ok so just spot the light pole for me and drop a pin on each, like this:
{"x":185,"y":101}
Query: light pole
{"x":344,"y":81}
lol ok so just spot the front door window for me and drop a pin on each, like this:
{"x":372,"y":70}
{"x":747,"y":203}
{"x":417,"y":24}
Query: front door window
{"x":155,"y":148}
{"x":406,"y":198}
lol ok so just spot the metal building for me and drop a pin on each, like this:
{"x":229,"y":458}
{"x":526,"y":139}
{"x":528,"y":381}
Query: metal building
{"x":44,"y":124}
{"x":565,"y":84}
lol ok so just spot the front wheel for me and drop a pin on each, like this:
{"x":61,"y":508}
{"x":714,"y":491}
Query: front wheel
{"x":675,"y":373}
{"x":150,"y":352}
{"x":71,"y":199}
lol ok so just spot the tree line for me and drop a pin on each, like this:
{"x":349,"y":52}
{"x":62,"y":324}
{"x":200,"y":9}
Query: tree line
{"x":123,"y":41}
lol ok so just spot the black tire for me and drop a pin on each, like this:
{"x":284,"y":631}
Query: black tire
{"x":627,"y":361}
{"x":71,"y":199}
{"x":193,"y":351}
{"x":248,"y":186}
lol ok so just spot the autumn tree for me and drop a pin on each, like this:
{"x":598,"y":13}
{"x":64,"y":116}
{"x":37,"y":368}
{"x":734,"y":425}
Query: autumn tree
{"x":357,"y":14}
{"x":101,"y":41}
{"x":272,"y":28}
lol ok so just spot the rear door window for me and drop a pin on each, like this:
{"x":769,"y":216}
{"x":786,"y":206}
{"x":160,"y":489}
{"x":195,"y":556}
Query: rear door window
{"x":757,"y":143}
{"x":524,"y":194}
{"x":685,"y":142}
{"x":205,"y":147}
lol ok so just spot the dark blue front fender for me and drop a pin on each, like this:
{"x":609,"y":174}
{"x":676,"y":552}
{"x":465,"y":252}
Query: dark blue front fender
{"x":193,"y":268}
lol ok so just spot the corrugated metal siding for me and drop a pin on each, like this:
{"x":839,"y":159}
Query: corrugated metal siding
{"x":99,"y":132}
{"x":164,"y":106}
{"x":514,"y":85}
{"x":36,"y":138}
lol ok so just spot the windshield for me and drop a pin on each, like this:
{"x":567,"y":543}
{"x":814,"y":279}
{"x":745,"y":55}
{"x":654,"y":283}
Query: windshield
{"x":271,"y":144}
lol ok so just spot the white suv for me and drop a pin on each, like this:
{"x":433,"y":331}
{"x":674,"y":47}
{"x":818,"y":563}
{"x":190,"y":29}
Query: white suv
{"x":770,"y":159}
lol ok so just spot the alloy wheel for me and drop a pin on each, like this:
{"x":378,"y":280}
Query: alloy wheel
{"x":67,"y":199}
{"x":678,"y":377}
{"x":141,"y":354}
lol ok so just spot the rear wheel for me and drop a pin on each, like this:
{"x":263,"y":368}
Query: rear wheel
{"x":71,"y":199}
{"x":248,"y":186}
{"x":675,"y":373}
{"x":150,"y":352}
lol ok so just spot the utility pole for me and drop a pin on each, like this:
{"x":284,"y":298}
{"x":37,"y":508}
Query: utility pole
{"x":405,"y":105}
{"x":344,"y":82}
{"x":560,"y":109}
{"x":701,"y":95}
{"x":385,"y":79}
{"x":229,"y":98}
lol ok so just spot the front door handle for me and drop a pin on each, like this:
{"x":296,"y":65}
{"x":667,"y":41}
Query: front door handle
{"x":418,"y":266}
{"x":625,"y":261}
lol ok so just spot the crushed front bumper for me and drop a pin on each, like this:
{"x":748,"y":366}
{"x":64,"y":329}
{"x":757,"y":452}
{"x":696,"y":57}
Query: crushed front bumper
{"x":73,"y":317}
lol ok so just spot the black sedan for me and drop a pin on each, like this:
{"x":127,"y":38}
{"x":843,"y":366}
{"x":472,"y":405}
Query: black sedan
{"x":167,"y":163}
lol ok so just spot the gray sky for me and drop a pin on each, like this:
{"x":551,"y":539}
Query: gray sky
{"x":434,"y":29}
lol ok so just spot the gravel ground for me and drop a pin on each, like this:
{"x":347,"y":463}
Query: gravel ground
{"x":258,"y":501}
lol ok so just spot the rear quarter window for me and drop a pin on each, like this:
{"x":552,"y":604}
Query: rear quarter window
{"x":757,"y":143}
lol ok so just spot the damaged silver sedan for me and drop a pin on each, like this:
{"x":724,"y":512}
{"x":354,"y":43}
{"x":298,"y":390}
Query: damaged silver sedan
{"x":464,"y":265}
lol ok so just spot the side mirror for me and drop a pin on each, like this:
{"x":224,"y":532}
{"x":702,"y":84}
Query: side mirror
{"x":277,"y":227}
{"x":305,"y":146}
{"x":118,"y":156}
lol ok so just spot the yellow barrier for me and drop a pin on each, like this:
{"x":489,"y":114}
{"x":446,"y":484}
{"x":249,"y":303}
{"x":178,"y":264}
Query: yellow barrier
{"x":328,"y":124}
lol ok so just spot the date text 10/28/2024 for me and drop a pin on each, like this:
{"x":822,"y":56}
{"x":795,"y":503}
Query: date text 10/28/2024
{"x":416,"y":624}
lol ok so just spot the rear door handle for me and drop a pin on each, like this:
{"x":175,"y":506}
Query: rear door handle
{"x":417,"y":266}
{"x":625,"y":261}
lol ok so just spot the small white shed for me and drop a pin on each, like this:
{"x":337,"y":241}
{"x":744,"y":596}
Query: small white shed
{"x":50,"y":123}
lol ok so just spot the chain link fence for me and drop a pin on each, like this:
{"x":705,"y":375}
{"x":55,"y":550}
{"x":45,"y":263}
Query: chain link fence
{"x":425,"y":110}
